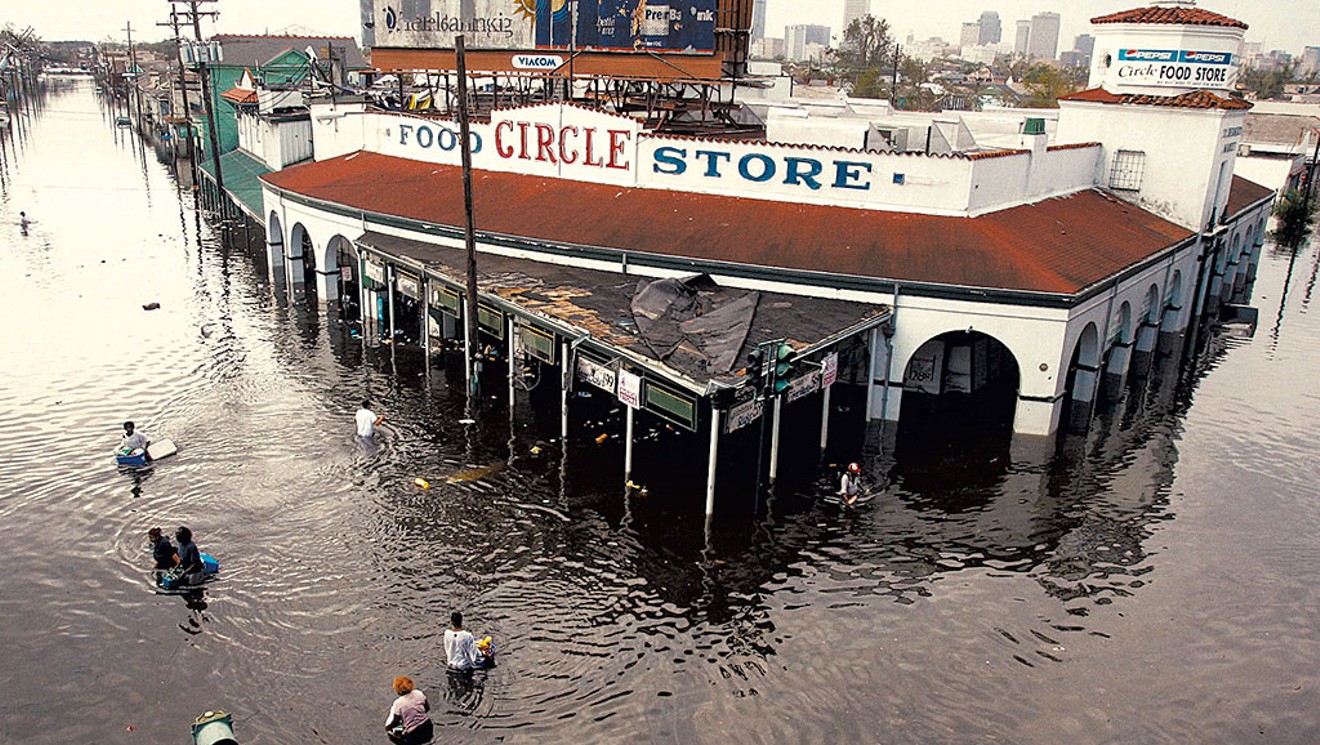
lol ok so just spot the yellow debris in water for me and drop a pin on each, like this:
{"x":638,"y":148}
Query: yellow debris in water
{"x":602,"y":438}
{"x":422,"y":483}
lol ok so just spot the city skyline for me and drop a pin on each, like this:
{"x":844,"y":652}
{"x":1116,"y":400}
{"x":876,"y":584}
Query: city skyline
{"x":1276,"y":24}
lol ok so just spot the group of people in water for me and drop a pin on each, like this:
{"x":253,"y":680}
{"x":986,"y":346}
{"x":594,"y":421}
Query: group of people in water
{"x":409,"y":719}
{"x":183,"y":560}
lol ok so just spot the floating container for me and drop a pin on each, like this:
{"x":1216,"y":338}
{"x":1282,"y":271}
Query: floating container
{"x":214,"y":728}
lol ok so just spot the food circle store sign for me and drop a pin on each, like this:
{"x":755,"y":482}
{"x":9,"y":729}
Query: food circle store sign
{"x":579,"y":144}
{"x":1178,"y":68}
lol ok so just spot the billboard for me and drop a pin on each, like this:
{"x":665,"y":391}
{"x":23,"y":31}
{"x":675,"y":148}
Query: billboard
{"x":627,"y":25}
{"x":433,"y":24}
{"x":604,"y":25}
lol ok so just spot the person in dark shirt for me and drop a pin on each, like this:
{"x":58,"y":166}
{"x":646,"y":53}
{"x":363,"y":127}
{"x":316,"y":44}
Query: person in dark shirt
{"x":188,"y":557}
{"x":161,"y":549}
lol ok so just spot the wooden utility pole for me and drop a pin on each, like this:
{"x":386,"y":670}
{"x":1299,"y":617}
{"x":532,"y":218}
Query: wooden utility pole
{"x":470,"y":344}
{"x":196,"y":17}
{"x":137,"y":84}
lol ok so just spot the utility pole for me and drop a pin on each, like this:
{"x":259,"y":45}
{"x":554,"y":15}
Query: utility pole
{"x":195,"y":16}
{"x":137,"y":84}
{"x":469,"y":226}
{"x":183,"y":91}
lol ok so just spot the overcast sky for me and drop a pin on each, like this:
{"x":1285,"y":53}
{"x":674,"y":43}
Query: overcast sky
{"x":1279,"y":24}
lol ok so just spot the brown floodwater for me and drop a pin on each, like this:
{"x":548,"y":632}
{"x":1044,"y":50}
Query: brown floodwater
{"x":1151,"y":580}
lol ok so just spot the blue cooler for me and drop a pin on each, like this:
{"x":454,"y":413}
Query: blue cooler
{"x":214,"y":728}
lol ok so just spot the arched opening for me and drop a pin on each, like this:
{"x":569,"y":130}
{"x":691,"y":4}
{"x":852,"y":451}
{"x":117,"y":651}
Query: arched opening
{"x":346,"y":279}
{"x":960,"y":387}
{"x":1081,"y":382}
{"x":275,"y":246}
{"x":1119,"y":357}
{"x":299,"y":241}
{"x":1147,"y":335}
{"x":1171,"y":314}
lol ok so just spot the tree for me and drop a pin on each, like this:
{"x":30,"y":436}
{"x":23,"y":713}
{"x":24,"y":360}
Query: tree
{"x":865,"y":55}
{"x":1045,"y":84}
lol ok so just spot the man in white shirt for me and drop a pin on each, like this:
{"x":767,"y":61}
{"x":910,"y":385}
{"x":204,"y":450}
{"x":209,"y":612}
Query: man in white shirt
{"x":460,"y":647}
{"x":367,"y":420}
{"x":134,"y":439}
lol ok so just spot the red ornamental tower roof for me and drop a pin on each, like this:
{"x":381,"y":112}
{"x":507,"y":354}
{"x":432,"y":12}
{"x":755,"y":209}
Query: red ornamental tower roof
{"x":1174,"y":15}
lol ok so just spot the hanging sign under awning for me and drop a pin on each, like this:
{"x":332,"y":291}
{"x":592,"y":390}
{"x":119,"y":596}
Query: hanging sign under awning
{"x":601,"y":376}
{"x":375,"y":272}
{"x":408,"y":285}
{"x":744,"y":414}
{"x":630,"y":389}
{"x":829,"y":370}
{"x":803,"y":386}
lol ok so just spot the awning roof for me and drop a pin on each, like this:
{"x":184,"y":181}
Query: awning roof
{"x":1058,"y":246}
{"x":242,"y":175}
{"x":601,"y":303}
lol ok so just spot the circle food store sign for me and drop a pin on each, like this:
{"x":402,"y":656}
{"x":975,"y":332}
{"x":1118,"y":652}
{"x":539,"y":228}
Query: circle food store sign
{"x":1176,"y":68}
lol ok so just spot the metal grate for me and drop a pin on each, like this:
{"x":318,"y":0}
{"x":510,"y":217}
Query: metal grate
{"x":1127,"y":170}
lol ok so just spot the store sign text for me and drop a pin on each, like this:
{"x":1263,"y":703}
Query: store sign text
{"x":790,"y":170}
{"x":1175,"y":67}
{"x":567,"y":144}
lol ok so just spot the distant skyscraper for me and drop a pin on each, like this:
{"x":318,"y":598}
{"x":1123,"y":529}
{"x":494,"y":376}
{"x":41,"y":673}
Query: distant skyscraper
{"x":1085,"y":43}
{"x":758,"y":19}
{"x":1044,"y":39}
{"x":1310,"y":62}
{"x":796,"y":39}
{"x":971,"y":34}
{"x":991,"y":30}
{"x":1022,"y":37}
{"x":854,"y":10}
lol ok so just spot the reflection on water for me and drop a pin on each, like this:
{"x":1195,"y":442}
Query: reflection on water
{"x":1144,"y":581}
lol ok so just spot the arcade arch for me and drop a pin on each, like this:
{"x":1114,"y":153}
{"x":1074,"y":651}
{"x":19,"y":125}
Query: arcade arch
{"x":960,"y":381}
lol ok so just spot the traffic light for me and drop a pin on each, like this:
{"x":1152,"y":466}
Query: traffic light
{"x":782,"y":362}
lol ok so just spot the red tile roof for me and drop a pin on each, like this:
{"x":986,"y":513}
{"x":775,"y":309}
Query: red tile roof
{"x":1243,"y":193}
{"x":1197,"y":99}
{"x":1060,"y":245}
{"x":239,"y":95}
{"x":1182,"y":16}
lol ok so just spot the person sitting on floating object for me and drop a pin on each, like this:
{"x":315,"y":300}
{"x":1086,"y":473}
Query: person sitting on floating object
{"x":367,"y":421}
{"x":134,"y":439}
{"x":850,"y":486}
{"x":162,"y":550}
{"x":23,"y":222}
{"x":461,"y":649}
{"x":188,"y":558}
{"x":408,"y":721}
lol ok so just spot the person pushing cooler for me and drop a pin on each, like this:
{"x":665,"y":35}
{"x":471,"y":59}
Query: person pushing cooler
{"x":408,"y":721}
{"x":134,"y":439}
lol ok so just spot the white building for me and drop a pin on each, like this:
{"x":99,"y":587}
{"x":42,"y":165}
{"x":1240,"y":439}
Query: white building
{"x":1031,"y":262}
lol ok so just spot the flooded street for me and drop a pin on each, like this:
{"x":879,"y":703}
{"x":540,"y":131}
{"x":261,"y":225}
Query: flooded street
{"x":1151,"y":581}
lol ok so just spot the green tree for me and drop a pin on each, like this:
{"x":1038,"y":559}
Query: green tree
{"x":1045,"y":84}
{"x":864,"y":56}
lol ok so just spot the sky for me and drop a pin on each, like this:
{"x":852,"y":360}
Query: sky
{"x":1278,"y":24}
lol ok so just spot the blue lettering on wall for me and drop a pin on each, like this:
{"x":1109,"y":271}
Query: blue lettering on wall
{"x":712,"y":161}
{"x":442,"y":137}
{"x":847,"y":175}
{"x":767,"y":167}
{"x":670,"y":160}
{"x":795,"y":173}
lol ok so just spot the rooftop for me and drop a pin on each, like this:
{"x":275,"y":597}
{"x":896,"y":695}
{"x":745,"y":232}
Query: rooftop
{"x":1175,"y":15}
{"x":1056,"y":246}
{"x":1198,"y":99}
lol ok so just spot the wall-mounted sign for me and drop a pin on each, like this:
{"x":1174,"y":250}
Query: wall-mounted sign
{"x":539,"y":344}
{"x":1181,"y":68}
{"x":484,"y":24}
{"x":630,"y":389}
{"x":537,"y":61}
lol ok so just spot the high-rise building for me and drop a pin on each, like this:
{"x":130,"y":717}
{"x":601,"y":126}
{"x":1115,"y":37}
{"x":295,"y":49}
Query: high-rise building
{"x":971,"y":34}
{"x":758,"y":19}
{"x":798,"y":38}
{"x":855,"y":10}
{"x":1310,"y":62}
{"x":991,"y":29}
{"x":1084,"y":43}
{"x":1022,"y":36}
{"x":1044,"y":39}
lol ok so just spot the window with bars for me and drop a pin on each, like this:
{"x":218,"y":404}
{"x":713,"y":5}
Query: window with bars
{"x":1127,"y":170}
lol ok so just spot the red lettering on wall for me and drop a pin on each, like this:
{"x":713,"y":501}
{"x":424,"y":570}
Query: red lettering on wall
{"x":618,"y":138}
{"x":504,"y":150}
{"x":591,"y":159}
{"x":567,"y":156}
{"x":522,"y":131}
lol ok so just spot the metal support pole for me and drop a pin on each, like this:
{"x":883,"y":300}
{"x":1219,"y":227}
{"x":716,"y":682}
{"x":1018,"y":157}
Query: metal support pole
{"x":825,"y":421}
{"x":873,"y":346}
{"x":563,"y":392}
{"x":469,"y":224}
{"x":774,"y":439}
{"x":713,"y":459}
{"x":390,"y":274}
{"x":628,"y":443}
{"x":362,"y":298}
{"x":513,"y":367}
{"x":426,"y":322}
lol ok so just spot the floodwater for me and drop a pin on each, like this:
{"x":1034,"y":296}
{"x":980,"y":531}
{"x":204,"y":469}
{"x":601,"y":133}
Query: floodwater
{"x":1151,"y":581}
